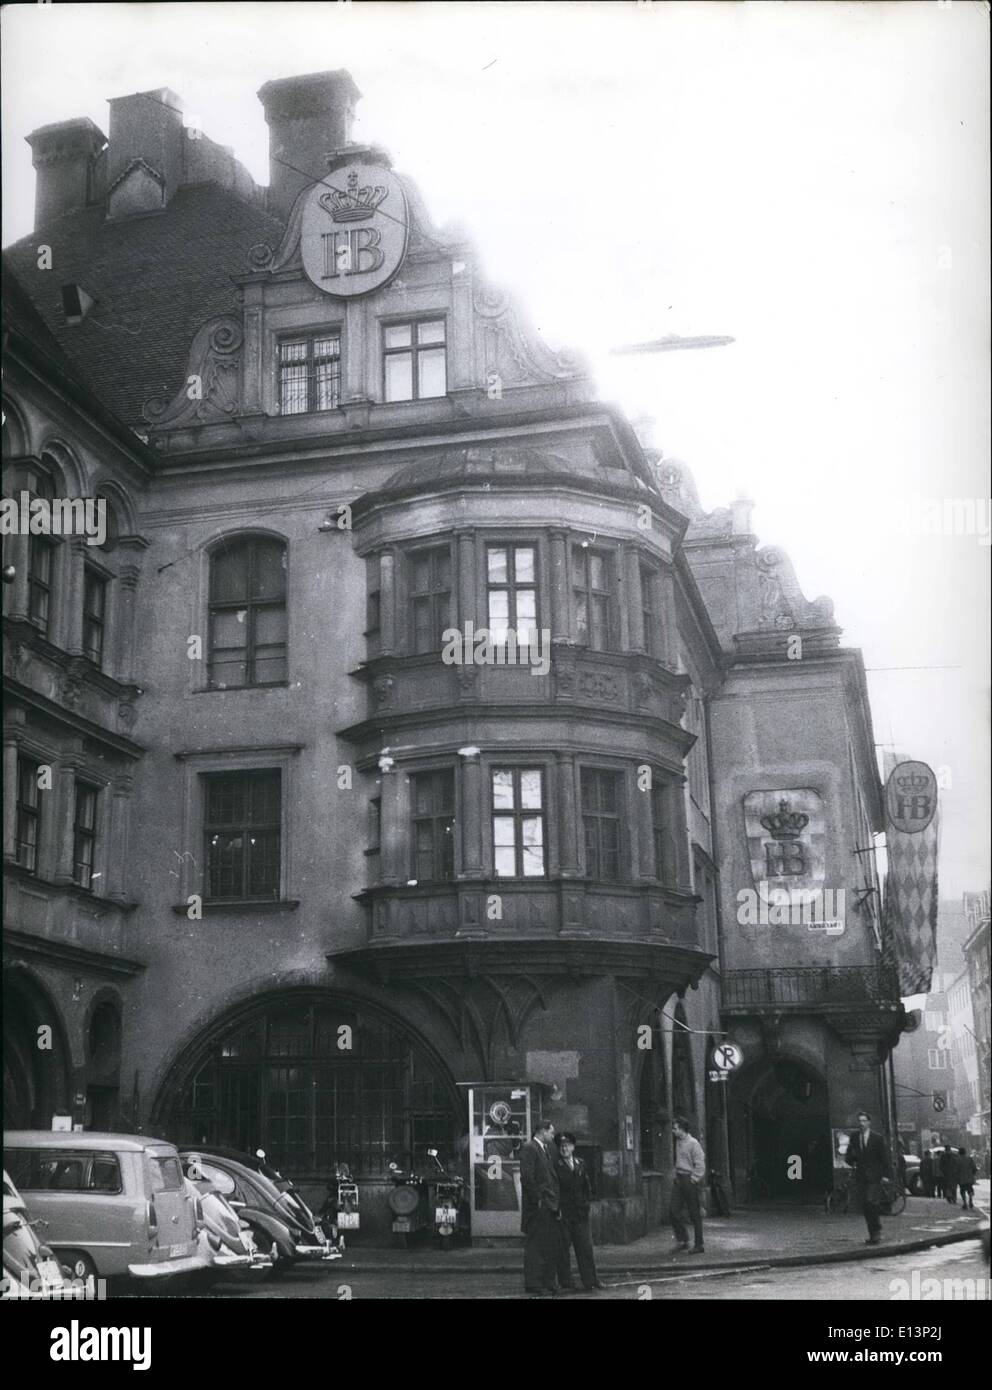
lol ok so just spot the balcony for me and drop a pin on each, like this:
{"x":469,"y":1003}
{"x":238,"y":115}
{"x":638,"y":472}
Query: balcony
{"x":801,"y":988}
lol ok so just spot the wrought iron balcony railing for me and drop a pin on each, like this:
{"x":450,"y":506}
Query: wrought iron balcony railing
{"x":802,"y":986}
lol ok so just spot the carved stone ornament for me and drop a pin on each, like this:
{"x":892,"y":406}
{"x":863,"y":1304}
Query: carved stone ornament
{"x":382,"y":691}
{"x":212,"y":386}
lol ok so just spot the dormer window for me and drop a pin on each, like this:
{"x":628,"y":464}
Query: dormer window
{"x":414,"y":363}
{"x":310,"y":374}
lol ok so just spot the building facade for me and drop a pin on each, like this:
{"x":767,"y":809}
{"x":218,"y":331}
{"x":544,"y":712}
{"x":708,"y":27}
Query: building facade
{"x":462,"y":748}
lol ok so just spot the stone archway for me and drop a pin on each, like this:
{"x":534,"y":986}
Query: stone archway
{"x":36,"y":1068}
{"x":780,"y":1122}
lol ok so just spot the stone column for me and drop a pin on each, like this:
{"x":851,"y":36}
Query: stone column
{"x":359,"y":365}
{"x":561,"y":627}
{"x":472,"y":794}
{"x":70,"y":601}
{"x":394,"y":853}
{"x":15,"y":552}
{"x":127,"y":589}
{"x":10,"y":753}
{"x":468,"y":601}
{"x":621,"y":624}
{"x":634,"y":601}
{"x":668,"y":639}
{"x":114,"y":857}
{"x":388,"y":626}
{"x":568,"y":818}
{"x":63,"y":795}
{"x":646,"y":867}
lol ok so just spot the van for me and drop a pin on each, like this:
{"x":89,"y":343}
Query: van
{"x":113,"y":1204}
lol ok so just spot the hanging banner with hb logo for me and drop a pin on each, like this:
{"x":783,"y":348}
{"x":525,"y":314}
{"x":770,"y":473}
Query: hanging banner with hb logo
{"x":910,"y":919}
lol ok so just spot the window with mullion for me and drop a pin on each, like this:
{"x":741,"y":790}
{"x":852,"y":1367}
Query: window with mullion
{"x":433,"y":825}
{"x":651,"y":611}
{"x":94,"y":614}
{"x":84,"y":835}
{"x":601,"y":817}
{"x":243,"y":835}
{"x":657,"y":795}
{"x":511,"y":593}
{"x":518,"y":818}
{"x":414,"y":364}
{"x":310,"y":374}
{"x":430,"y":596}
{"x":41,"y":562}
{"x":591,"y":575}
{"x":248,"y":614}
{"x":28,"y":818}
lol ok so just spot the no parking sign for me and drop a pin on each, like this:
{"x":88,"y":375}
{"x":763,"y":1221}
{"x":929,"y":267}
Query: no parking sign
{"x":727,"y":1057}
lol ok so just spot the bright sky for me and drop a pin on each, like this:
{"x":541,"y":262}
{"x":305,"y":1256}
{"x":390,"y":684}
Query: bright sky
{"x":811,"y":179}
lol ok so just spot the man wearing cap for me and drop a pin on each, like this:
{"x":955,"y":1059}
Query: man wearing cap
{"x":576,"y":1193}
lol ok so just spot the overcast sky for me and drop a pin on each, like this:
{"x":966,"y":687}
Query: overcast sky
{"x":811,"y":179}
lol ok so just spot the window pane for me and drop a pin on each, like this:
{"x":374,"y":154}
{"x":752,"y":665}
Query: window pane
{"x":326,"y":348}
{"x":597,"y":571}
{"x":530,"y":789}
{"x":292,"y":390}
{"x":523,"y":564}
{"x":421,"y":572}
{"x":504,"y":862}
{"x":499,"y":606}
{"x":270,"y":626}
{"x":269,"y":570}
{"x":228,"y":672}
{"x":526,"y":607}
{"x":327,"y":385}
{"x":228,"y":631}
{"x":229,"y":574}
{"x":292,"y":352}
{"x":442,"y":568}
{"x":502,"y":830}
{"x":397,"y":335}
{"x":270,"y":666}
{"x":432,"y":332}
{"x":399,"y":378}
{"x":432,"y":373}
{"x":496,"y":562}
{"x":532,"y":830}
{"x":503,"y":790}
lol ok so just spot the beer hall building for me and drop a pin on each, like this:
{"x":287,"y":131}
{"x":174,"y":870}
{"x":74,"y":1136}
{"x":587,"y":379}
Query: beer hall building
{"x":312,"y":877}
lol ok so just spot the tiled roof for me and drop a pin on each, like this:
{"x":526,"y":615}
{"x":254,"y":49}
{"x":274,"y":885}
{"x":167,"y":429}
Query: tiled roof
{"x":156,"y":278}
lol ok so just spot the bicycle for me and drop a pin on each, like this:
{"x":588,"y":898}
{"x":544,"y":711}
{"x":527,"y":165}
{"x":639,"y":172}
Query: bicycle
{"x":837,"y":1201}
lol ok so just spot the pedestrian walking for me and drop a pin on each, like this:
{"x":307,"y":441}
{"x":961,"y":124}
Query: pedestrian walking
{"x":967,"y":1171}
{"x":927,"y":1173}
{"x":575,"y":1188}
{"x":868,"y":1155}
{"x":687,"y":1183}
{"x":540,"y":1210}
{"x":948,"y":1174}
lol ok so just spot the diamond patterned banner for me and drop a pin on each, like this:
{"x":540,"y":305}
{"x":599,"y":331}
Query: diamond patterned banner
{"x":909,"y":930}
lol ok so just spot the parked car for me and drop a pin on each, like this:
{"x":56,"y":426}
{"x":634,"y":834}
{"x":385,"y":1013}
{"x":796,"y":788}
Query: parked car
{"x":115,"y":1204}
{"x":225,"y":1239}
{"x":283,"y":1226}
{"x":30,"y":1269}
{"x":914,"y":1183}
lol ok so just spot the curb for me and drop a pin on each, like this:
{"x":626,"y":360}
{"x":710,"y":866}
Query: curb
{"x":874,"y":1252}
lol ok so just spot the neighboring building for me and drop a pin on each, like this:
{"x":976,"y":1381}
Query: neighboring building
{"x":931,"y":1080}
{"x":364,"y":878}
{"x":976,"y":951}
{"x":964,"y":1055}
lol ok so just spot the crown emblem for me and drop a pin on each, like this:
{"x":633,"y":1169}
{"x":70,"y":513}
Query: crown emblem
{"x":355,"y":204}
{"x":913,"y":781}
{"x":784,"y":824}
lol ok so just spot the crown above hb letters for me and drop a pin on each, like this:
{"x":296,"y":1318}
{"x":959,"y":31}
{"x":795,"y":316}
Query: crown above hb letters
{"x":912,"y":782}
{"x":784,"y":824}
{"x":355,"y":204}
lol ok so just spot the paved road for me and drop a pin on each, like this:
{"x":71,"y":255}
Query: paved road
{"x":884,"y":1279}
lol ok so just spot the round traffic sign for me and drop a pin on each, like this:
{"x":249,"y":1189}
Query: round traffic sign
{"x":727,"y":1056}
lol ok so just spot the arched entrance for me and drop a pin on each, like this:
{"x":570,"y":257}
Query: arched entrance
{"x":780,"y":1113}
{"x":35,"y":1055}
{"x":314,"y":1080}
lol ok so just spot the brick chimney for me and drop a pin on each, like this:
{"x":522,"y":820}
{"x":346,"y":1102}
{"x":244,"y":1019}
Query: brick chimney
{"x":147,"y":126}
{"x":308,"y":117}
{"x":65,"y":156}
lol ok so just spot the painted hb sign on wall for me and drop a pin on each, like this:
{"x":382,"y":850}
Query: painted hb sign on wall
{"x":354,"y":230}
{"x":911,"y":797}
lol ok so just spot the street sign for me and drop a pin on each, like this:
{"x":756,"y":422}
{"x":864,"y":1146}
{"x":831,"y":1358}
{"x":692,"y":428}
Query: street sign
{"x":727,"y":1056}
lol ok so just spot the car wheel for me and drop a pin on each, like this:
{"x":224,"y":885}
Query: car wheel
{"x":81,"y":1270}
{"x":269,"y":1247}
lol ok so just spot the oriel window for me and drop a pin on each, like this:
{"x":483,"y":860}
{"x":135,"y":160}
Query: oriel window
{"x":414,"y":361}
{"x":247,"y":614}
{"x":511,"y":590}
{"x":84,"y":835}
{"x":28,"y":821}
{"x":94,"y":614}
{"x":242,"y":834}
{"x":518,"y":822}
{"x":591,"y":573}
{"x":41,"y":564}
{"x":433,"y":828}
{"x":430,"y":596}
{"x":601,"y":823}
{"x":310,"y":374}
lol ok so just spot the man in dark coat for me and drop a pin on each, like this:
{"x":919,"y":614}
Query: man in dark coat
{"x":868,"y":1155}
{"x":540,"y":1209}
{"x":948,"y":1174}
{"x":576,"y":1194}
{"x":926,"y":1173}
{"x":966,"y":1172}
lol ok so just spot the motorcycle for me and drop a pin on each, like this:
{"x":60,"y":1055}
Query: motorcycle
{"x":30,"y":1269}
{"x":408,"y":1202}
{"x":340,"y":1210}
{"x":447,"y":1201}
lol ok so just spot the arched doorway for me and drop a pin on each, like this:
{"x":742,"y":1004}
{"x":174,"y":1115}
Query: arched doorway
{"x":35,"y":1056}
{"x":314,"y":1081}
{"x":780,"y":1111}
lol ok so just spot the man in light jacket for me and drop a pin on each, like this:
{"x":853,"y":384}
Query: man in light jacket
{"x":688,"y":1179}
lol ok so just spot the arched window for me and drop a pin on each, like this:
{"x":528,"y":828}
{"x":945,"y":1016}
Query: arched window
{"x":247,"y":631}
{"x":104,"y":1040}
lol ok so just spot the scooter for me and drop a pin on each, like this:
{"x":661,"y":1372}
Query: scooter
{"x":340,"y":1210}
{"x":408,"y":1202}
{"x":447,"y":1200}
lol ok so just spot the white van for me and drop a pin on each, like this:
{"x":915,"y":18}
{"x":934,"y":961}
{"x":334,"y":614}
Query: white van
{"x":113,"y":1204}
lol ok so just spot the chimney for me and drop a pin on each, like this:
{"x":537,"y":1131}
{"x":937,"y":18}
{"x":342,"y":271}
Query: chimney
{"x":147,"y":126}
{"x":308,"y":117}
{"x":65,"y":156}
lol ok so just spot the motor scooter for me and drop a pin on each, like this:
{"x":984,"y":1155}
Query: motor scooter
{"x":340,"y":1210}
{"x":408,"y":1202}
{"x":447,"y":1201}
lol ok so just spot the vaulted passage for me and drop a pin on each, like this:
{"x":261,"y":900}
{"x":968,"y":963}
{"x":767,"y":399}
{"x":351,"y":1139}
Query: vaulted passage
{"x":316,"y":1083}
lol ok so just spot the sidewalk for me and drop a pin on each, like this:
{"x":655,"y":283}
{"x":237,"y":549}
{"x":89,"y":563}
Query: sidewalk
{"x":749,"y":1238}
